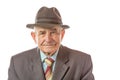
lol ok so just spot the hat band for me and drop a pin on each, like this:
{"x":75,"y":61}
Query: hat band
{"x":53,"y":21}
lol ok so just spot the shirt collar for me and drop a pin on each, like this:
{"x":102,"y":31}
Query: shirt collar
{"x":43,"y":56}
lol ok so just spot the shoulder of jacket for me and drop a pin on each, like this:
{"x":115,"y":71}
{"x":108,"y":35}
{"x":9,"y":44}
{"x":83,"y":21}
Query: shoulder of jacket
{"x":25,"y":53}
{"x":75,"y":52}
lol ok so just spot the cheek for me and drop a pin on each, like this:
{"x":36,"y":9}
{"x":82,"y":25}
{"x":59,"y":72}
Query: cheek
{"x":57,"y":39}
{"x":40,"y":41}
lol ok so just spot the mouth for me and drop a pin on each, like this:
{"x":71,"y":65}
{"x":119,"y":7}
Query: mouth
{"x":49,"y":44}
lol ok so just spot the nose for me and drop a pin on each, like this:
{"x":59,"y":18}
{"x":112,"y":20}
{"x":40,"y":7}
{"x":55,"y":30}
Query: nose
{"x":48,"y":37}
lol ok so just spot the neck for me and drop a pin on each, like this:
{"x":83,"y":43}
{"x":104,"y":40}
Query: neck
{"x":49,"y":54}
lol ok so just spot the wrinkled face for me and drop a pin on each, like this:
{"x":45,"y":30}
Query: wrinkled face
{"x":48,"y":39}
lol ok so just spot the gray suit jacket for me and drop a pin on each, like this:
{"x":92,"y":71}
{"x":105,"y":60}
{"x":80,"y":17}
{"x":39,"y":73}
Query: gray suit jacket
{"x":70,"y":65}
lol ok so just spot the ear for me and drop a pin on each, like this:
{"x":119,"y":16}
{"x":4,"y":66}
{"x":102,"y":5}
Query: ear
{"x":33,"y":36}
{"x":62,"y":34}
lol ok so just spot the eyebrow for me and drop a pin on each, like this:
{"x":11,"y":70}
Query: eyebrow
{"x":54,"y":29}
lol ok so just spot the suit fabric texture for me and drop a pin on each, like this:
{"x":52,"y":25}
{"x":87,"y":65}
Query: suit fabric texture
{"x":70,"y":65}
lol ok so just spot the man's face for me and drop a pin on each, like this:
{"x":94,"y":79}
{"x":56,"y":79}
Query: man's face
{"x":48,"y":40}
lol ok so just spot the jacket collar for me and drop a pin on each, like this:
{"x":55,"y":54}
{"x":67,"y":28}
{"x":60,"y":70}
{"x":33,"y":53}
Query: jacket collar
{"x":61,"y":66}
{"x":37,"y":69}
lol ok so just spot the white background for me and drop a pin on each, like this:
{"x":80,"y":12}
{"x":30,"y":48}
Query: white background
{"x":94,"y":30}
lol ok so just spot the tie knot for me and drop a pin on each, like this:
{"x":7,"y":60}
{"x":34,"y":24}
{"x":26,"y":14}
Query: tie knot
{"x":49,"y":61}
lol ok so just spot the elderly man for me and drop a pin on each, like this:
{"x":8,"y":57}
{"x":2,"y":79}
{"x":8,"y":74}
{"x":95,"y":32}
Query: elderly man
{"x":50,"y":60}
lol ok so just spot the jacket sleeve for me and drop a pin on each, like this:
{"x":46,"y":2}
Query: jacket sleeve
{"x":87,"y":70}
{"x":12,"y":75}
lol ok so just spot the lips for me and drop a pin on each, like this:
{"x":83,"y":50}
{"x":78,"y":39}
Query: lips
{"x":49,"y":44}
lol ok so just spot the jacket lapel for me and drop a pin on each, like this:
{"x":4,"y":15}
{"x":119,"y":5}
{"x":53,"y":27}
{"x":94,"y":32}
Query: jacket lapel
{"x":61,"y":66}
{"x":37,"y":70}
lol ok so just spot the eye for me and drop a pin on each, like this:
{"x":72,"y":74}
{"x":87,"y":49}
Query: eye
{"x":53,"y":32}
{"x":41,"y":32}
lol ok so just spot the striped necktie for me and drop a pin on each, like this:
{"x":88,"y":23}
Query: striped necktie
{"x":48,"y":72}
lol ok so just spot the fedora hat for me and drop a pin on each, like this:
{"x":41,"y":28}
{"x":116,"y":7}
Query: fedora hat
{"x":47,"y":17}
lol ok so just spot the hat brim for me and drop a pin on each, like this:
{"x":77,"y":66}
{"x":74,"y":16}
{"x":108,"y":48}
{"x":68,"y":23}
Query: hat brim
{"x":46,"y":25}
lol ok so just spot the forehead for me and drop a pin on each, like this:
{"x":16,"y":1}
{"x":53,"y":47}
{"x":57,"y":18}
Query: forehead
{"x":56,"y":27}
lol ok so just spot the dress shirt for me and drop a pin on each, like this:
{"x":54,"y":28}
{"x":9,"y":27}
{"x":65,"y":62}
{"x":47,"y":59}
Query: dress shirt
{"x":43,"y":56}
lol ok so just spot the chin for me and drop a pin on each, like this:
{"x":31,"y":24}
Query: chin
{"x":50,"y":51}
